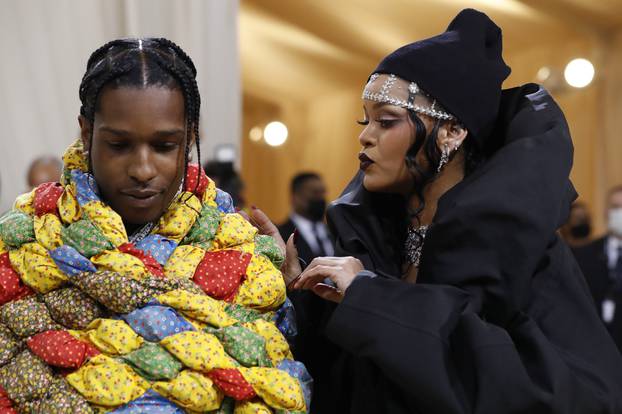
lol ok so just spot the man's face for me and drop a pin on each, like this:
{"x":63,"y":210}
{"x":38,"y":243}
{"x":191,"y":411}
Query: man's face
{"x":312,"y":191}
{"x":137,"y":150}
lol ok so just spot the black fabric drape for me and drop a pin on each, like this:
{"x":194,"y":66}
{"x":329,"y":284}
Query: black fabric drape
{"x":500,"y":320}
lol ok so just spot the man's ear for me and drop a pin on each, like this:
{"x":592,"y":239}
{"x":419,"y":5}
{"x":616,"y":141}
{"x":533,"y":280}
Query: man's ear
{"x":451,"y":135}
{"x":86,"y":128}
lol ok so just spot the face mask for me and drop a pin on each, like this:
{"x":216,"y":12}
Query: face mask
{"x":615,"y":221}
{"x":316,"y":209}
{"x":581,"y":230}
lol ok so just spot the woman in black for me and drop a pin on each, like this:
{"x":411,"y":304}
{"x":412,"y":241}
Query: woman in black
{"x":454,"y":292}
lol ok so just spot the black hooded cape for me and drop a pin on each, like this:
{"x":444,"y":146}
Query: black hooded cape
{"x":500,"y":319}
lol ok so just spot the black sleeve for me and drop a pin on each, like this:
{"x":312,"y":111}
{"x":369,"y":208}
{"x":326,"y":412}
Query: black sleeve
{"x":445,"y":359}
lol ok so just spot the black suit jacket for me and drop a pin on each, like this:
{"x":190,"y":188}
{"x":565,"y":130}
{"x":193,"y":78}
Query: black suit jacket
{"x":304,"y":250}
{"x":594,"y":263}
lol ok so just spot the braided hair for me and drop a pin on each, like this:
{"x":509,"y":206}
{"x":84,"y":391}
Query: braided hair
{"x":142,"y":63}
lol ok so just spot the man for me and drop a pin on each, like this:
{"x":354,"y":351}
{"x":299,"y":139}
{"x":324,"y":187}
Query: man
{"x":308,"y":201}
{"x":576,"y":231}
{"x":44,"y":170}
{"x":601,"y":263}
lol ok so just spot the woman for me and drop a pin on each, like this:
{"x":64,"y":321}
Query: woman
{"x":133,"y":287}
{"x":454,"y":292}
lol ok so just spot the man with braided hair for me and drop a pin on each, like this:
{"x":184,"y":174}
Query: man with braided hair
{"x":132,"y":286}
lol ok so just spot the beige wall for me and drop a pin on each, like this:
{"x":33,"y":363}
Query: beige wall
{"x":323,"y":132}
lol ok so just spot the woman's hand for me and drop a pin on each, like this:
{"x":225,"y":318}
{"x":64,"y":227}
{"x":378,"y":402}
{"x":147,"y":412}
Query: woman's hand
{"x":340,"y":270}
{"x":291,"y":266}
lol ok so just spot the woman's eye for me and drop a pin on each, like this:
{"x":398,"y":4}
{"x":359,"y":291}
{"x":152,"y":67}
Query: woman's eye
{"x":386,"y":123}
{"x":363,"y":122}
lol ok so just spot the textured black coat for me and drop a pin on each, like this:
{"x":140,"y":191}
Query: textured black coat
{"x":500,"y":319}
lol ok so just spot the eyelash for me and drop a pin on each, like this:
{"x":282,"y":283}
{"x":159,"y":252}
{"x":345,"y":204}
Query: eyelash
{"x":384,"y":123}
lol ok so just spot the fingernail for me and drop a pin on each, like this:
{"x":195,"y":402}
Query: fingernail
{"x":237,"y":209}
{"x":254,"y":207}
{"x":295,"y":237}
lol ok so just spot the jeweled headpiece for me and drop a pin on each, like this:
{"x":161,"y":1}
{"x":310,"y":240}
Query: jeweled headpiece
{"x":395,"y":92}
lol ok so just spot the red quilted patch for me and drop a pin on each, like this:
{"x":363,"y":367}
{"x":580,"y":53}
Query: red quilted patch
{"x":220,"y":274}
{"x":46,"y":197}
{"x":232,"y":383}
{"x":191,"y":180}
{"x":60,"y":349}
{"x":150,"y":263}
{"x":6,"y":405}
{"x":11,"y":286}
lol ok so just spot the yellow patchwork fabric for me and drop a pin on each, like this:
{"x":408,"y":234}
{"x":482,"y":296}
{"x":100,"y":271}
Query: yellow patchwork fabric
{"x":107,"y":220}
{"x":183,"y":262}
{"x":198,"y":350}
{"x":112,"y":336}
{"x":277,"y":347}
{"x":122,"y":263}
{"x":25,"y":203}
{"x":234,"y":231}
{"x":107,"y":382}
{"x":251,"y":407}
{"x":264,"y":288}
{"x":68,"y":206}
{"x":47,"y":231}
{"x":191,"y":390}
{"x":209,"y":196}
{"x":3,"y":248}
{"x":36,"y":268}
{"x":198,"y":307}
{"x":74,"y":157}
{"x":179,"y":217}
{"x":277,"y":388}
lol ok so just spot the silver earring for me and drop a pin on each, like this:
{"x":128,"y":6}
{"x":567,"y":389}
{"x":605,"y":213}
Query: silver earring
{"x":444,"y":158}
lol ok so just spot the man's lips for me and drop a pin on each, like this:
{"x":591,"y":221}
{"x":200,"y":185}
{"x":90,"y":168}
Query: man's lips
{"x":142,"y":197}
{"x":365,"y":161}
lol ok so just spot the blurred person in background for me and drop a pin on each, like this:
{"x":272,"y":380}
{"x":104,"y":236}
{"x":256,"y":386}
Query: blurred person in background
{"x":601,"y":263}
{"x":44,"y":169}
{"x":227,"y":179}
{"x":308,"y":207}
{"x":577,"y":230}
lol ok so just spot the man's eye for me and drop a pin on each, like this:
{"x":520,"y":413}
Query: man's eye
{"x":165,"y":146}
{"x":117,"y":145}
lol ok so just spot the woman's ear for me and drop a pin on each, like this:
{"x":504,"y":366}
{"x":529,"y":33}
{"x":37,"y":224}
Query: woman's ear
{"x":451,"y":135}
{"x":85,"y":132}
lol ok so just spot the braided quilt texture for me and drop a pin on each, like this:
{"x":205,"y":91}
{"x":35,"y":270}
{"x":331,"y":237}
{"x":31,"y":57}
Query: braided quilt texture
{"x":192,"y":318}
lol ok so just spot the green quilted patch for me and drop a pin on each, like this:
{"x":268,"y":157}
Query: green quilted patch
{"x":267,"y":246}
{"x":16,"y":228}
{"x":247,"y":347}
{"x":153,"y":362}
{"x":243,"y":314}
{"x":86,"y":238}
{"x":204,"y":229}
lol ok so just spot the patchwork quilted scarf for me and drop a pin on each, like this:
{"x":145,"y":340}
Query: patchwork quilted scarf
{"x":191,"y":318}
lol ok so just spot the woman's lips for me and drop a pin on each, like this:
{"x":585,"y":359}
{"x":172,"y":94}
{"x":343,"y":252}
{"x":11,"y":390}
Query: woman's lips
{"x":366,"y":162}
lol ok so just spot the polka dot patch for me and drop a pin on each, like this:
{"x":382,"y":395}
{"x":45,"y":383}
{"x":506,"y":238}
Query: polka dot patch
{"x":220,"y":274}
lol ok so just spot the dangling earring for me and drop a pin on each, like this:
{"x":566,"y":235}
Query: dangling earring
{"x":444,"y":158}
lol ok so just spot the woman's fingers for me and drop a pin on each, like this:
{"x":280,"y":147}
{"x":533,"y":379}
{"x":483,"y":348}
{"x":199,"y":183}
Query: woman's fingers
{"x":328,"y":292}
{"x":266,"y":226}
{"x":317,"y":274}
{"x":291,"y":266}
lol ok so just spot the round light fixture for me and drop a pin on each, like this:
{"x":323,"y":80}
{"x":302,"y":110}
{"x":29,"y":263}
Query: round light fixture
{"x":255,"y":134}
{"x":579,"y":73}
{"x":275,"y":133}
{"x":544,"y":73}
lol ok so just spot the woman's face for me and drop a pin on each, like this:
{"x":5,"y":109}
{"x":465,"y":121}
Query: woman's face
{"x":137,"y":151}
{"x":388,"y":134}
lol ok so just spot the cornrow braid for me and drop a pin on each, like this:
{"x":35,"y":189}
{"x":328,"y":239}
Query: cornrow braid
{"x":141,"y":63}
